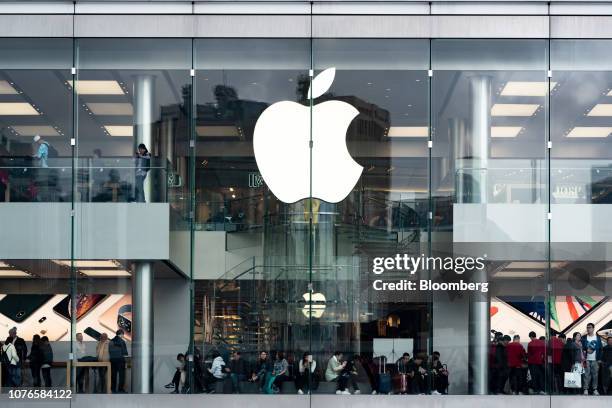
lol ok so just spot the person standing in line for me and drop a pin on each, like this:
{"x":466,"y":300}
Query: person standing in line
{"x":556,"y":345}
{"x":516,"y":360}
{"x":535,"y":358}
{"x":493,"y":371}
{"x":592,"y":345}
{"x":11,"y":359}
{"x":102,"y":355}
{"x":143,"y":164}
{"x":22,"y":350}
{"x":47,"y":353}
{"x":576,"y":356}
{"x":501,"y":364}
{"x":606,"y":365}
{"x":117,"y":351}
{"x":35,"y":358}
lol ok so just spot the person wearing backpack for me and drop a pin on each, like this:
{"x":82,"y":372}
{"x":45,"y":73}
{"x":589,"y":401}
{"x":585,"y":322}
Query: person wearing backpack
{"x":10,"y":359}
{"x":117,"y":351}
{"x":42,"y":152}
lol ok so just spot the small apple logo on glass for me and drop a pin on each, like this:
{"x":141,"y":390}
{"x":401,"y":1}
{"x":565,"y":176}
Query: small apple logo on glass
{"x":315,"y":305}
{"x":284,"y":155}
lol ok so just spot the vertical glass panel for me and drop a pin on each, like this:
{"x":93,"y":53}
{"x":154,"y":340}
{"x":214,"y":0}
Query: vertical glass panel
{"x":35,"y":195}
{"x":489,"y":205}
{"x":581,"y":162}
{"x":250,"y":248}
{"x":370,"y":203}
{"x":132,"y":238}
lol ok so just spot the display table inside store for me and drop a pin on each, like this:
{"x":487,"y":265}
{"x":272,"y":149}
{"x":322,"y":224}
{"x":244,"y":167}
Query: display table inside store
{"x":90,"y":364}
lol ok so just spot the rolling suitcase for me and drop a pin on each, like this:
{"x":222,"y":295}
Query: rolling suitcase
{"x":400,"y":382}
{"x":384,"y":378}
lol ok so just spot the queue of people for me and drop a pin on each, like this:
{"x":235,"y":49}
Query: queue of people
{"x":342,"y":375}
{"x":516,"y":370}
{"x":14,"y":356}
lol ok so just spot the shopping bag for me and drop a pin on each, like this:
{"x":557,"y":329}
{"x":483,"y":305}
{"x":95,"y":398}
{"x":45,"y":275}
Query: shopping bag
{"x":572,"y":380}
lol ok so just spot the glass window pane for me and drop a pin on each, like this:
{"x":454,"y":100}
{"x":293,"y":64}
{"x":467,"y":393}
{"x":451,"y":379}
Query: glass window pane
{"x":251,"y":250}
{"x":489,"y":169}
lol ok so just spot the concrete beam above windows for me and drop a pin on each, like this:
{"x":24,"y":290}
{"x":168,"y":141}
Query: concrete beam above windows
{"x":581,"y":26}
{"x":35,"y":25}
{"x":126,"y":26}
{"x":429,"y":26}
{"x":239,"y":26}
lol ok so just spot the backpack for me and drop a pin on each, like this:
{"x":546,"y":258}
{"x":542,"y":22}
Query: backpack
{"x":52,"y":151}
{"x":4,"y":359}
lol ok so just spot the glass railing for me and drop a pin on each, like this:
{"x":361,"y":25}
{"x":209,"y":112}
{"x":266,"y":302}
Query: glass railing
{"x":568,"y":185}
{"x":23,"y":179}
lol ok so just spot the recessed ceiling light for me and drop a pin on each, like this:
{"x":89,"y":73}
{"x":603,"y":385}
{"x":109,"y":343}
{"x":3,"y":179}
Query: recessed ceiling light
{"x":505,"y":131}
{"x":408,"y":131}
{"x":514,"y":109}
{"x":13,"y":273}
{"x":601,"y":109}
{"x":526,"y":88}
{"x":590,"y":131}
{"x":17,"y":109}
{"x":101,"y":273}
{"x":95,"y":87}
{"x":119,"y":130}
{"x":7,"y":89}
{"x":27,"y":130}
{"x":117,"y":109}
{"x":88,"y":263}
{"x":217,"y":131}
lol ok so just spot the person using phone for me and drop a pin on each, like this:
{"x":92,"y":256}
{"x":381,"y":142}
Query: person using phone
{"x":11,"y":360}
{"x":440,"y":373}
{"x":262,"y":369}
{"x":143,"y":164}
{"x":335,"y":365}
{"x":591,"y":343}
{"x":306,"y":374}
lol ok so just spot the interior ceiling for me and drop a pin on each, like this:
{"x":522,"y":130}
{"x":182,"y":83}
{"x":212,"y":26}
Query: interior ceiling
{"x":48,"y":269}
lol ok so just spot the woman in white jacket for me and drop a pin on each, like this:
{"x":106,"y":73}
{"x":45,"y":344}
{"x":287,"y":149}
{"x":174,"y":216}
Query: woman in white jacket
{"x":14,"y":370}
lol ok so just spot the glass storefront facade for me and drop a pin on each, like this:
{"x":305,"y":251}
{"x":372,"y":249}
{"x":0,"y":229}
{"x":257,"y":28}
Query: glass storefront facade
{"x":470,"y":149}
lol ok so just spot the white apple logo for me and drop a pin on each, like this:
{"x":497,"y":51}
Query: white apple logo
{"x":312,"y":309}
{"x":285,"y":157}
